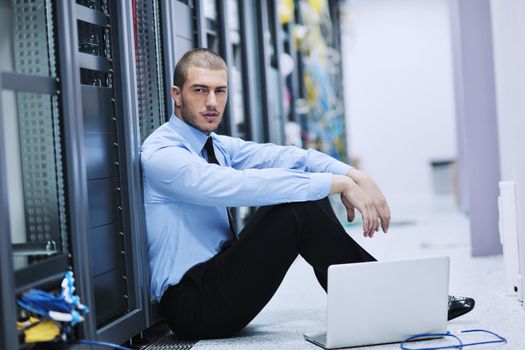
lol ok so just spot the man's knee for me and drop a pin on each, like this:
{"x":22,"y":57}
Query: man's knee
{"x":315,"y":207}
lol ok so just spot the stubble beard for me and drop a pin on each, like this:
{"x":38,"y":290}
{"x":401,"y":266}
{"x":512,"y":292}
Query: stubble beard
{"x":190,"y":119}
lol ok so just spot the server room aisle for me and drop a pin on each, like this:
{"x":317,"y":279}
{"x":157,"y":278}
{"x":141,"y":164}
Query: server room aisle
{"x":419,"y":229}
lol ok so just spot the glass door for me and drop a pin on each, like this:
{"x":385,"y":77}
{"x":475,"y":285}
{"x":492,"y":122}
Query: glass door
{"x":33,"y":139}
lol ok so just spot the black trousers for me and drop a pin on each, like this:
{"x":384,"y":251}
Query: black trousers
{"x":221,"y":296}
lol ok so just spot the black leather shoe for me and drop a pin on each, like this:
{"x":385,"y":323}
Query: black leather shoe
{"x":458,"y":306}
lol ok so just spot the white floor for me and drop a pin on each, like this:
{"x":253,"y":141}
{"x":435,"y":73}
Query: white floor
{"x":418,"y":230}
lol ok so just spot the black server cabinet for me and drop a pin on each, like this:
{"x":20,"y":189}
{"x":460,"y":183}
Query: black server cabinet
{"x":103,"y":45}
{"x":103,"y":156}
{"x":83,"y":190}
{"x":72,"y":92}
{"x":72,"y":87}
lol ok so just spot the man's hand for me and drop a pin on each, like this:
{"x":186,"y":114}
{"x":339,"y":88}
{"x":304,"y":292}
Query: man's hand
{"x":352,"y":197}
{"x":364,"y":196}
{"x":378,"y":199}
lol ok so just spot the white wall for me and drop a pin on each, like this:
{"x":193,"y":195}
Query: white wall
{"x":399,"y":90}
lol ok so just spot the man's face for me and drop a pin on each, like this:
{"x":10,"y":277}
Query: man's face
{"x":202,"y":99}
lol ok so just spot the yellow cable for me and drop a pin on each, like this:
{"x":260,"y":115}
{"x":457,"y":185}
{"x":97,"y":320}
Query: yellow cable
{"x":44,"y":331}
{"x":24,"y":324}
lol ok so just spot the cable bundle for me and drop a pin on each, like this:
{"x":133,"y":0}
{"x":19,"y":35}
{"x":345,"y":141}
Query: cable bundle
{"x":58,"y":313}
{"x":63,"y":308}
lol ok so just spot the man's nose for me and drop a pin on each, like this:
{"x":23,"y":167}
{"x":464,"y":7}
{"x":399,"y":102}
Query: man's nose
{"x":211,"y":101}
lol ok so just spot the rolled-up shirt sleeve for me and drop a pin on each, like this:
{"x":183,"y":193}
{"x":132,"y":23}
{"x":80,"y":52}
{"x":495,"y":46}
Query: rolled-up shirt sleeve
{"x":174,"y":173}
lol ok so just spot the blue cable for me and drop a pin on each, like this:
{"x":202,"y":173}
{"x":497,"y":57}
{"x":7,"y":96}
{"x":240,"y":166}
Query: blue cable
{"x":500,"y":338}
{"x":102,"y":343}
{"x":432,"y":335}
{"x":460,"y":344}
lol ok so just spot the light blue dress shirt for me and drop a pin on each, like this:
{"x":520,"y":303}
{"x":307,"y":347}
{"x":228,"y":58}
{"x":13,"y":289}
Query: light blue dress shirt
{"x":185,"y":197}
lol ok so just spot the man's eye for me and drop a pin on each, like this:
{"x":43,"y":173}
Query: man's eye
{"x":221,"y":91}
{"x":199,"y":90}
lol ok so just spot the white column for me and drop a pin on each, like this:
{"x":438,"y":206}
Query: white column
{"x":478,"y":163}
{"x":508,"y":19}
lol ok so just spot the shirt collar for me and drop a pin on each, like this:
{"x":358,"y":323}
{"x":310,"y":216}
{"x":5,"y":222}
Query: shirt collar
{"x":195,"y":137}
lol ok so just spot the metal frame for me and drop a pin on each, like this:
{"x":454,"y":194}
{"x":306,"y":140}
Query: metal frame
{"x":262,"y":27}
{"x":334,"y":6}
{"x":248,"y":62}
{"x":168,"y":45}
{"x":265,"y":66}
{"x":29,"y":83}
{"x":121,"y":63}
{"x":293,"y":78}
{"x":134,"y":169}
{"x":95,"y":17}
{"x":299,"y":60}
{"x":225,"y":48}
{"x":93,"y":62}
{"x":24,"y":278}
{"x":7,"y":290}
{"x":150,"y":78}
{"x":200,"y":25}
{"x":133,"y":322}
{"x":278,"y":49}
{"x":76,"y":178}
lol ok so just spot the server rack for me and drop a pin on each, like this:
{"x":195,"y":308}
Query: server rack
{"x":110,"y":128}
{"x":35,"y":245}
{"x":92,"y":129}
{"x":44,"y":244}
{"x":315,"y":84}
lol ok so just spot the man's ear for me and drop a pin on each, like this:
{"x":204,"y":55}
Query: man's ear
{"x":176,"y":94}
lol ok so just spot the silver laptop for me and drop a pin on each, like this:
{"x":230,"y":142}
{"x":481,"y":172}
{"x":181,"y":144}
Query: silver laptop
{"x":384,"y":302}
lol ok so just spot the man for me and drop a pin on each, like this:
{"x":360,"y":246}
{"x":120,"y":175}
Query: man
{"x":210,"y":283}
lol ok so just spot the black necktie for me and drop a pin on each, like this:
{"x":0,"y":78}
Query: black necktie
{"x":208,"y":146}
